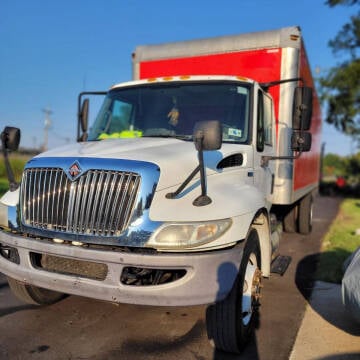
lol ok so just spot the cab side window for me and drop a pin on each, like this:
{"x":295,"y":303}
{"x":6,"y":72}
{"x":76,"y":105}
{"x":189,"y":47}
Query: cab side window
{"x":264,"y":121}
{"x":268,"y":120}
{"x":260,"y":141}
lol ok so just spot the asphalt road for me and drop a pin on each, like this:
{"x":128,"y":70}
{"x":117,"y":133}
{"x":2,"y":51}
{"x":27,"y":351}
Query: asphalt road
{"x":79,"y":328}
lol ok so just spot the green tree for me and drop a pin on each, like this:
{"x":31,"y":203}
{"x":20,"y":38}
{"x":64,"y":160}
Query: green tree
{"x":352,"y":167}
{"x":340,"y":88}
{"x":334,"y":165}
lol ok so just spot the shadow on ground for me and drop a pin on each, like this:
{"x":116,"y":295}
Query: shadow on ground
{"x":343,"y":356}
{"x":325,"y":298}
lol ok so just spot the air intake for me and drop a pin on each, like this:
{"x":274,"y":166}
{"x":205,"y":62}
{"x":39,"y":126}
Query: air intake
{"x":231,"y":161}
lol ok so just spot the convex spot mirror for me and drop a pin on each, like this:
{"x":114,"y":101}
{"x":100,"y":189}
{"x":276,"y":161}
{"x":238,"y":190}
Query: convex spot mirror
{"x":302,"y":108}
{"x":208,"y":135}
{"x":10,"y":138}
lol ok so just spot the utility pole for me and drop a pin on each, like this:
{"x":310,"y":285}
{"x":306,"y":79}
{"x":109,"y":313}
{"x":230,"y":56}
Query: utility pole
{"x":34,"y":142}
{"x":47,"y":125}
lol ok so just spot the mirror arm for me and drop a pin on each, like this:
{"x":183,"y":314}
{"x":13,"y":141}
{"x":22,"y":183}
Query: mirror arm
{"x":266,"y":85}
{"x":265,"y":159}
{"x":203,"y":199}
{"x":207,"y":136}
{"x":183,"y":185}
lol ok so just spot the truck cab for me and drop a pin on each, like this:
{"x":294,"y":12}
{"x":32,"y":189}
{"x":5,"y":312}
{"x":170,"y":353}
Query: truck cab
{"x":166,"y":199}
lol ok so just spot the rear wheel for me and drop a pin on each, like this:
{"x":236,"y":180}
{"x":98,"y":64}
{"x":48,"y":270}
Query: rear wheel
{"x":34,"y":295}
{"x":290,"y":220}
{"x":305,"y":214}
{"x":231,"y":322}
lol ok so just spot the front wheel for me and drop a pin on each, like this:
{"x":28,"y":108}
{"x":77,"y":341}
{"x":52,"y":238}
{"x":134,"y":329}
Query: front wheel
{"x":231,"y":322}
{"x":34,"y":295}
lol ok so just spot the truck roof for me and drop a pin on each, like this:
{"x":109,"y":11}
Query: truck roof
{"x":284,"y":37}
{"x":184,"y":78}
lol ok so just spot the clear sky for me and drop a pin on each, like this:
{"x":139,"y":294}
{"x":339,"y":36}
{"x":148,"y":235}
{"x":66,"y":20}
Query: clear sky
{"x":52,"y":50}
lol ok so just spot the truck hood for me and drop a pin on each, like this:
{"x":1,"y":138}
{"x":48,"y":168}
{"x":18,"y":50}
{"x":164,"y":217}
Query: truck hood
{"x":175,"y":158}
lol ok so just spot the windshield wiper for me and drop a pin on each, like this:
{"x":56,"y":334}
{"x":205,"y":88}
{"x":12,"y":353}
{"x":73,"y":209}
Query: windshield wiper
{"x":180,"y":137}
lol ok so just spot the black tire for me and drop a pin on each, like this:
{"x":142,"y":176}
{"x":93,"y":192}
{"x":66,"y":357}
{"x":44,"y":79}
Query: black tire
{"x":305,"y":214}
{"x":231,"y":322}
{"x":290,"y":220}
{"x":34,"y":295}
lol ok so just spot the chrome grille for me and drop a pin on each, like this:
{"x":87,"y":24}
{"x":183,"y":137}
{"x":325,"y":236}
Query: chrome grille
{"x":100,"y":202}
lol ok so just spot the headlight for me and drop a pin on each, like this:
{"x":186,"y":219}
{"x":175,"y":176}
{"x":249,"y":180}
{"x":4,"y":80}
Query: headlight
{"x":185,"y":235}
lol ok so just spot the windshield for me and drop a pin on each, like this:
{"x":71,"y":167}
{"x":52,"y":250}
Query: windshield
{"x":171,"y":110}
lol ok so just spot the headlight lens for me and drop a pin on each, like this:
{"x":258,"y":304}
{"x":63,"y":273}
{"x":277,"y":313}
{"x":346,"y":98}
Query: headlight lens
{"x":185,"y":235}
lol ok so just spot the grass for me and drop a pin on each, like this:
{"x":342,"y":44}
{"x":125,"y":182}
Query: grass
{"x":4,"y":186}
{"x":17,"y":162}
{"x":340,"y":242}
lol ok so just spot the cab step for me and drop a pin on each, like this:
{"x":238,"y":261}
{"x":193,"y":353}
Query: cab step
{"x":280,"y":264}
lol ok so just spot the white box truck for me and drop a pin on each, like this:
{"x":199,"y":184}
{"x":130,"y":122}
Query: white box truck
{"x":177,"y":193}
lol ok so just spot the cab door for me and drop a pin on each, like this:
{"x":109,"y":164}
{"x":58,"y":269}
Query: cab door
{"x":265,"y":145}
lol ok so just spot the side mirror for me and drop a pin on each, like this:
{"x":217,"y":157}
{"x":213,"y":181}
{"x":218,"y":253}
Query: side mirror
{"x":10,"y":138}
{"x":84,"y":115}
{"x":302,"y":108}
{"x":208,"y":135}
{"x":83,"y":119}
{"x":301,"y":141}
